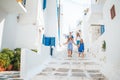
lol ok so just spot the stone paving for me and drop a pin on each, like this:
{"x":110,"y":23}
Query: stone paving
{"x":71,"y":68}
{"x":62,"y":67}
{"x":10,"y":75}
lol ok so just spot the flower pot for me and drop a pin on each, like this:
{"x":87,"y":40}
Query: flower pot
{"x":10,"y":67}
{"x":2,"y":69}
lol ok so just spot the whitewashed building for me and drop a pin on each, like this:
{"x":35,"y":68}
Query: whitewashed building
{"x":28,"y":24}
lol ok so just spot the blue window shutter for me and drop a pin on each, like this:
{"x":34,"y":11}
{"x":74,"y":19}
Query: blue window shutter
{"x":44,"y":4}
{"x":102,"y":29}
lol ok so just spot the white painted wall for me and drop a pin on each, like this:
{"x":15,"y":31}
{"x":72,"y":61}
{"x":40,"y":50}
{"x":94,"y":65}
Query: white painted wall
{"x":50,"y":19}
{"x":2,"y":21}
{"x":112,"y":40}
{"x":31,"y":16}
{"x":17,"y":35}
{"x":96,"y":8}
{"x":26,"y":36}
{"x":95,"y":13}
{"x":40,"y":18}
{"x":23,"y":34}
{"x":50,"y":15}
{"x":96,"y":50}
{"x":32,"y":63}
{"x":94,"y":16}
{"x":9,"y":32}
{"x":109,"y":60}
{"x":85,"y":32}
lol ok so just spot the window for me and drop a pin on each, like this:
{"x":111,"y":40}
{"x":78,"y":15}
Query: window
{"x":112,"y":12}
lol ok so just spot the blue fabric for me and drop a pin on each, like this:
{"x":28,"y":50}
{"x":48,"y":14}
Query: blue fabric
{"x":44,"y":4}
{"x":78,"y":42}
{"x":48,"y":41}
{"x":52,"y":41}
{"x":70,"y":45}
{"x":81,"y":48}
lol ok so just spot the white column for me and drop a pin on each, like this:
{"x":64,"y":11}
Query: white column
{"x":2,"y":21}
{"x":50,"y":15}
{"x":9,"y":32}
{"x":51,"y":24}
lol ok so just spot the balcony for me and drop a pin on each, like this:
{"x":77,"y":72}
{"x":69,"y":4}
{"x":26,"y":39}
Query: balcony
{"x":13,"y":6}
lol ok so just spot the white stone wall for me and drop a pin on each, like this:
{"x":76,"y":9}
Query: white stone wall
{"x":9,"y":32}
{"x":110,"y":59}
{"x":16,"y":35}
{"x":50,"y":15}
{"x":30,"y":17}
{"x":51,"y":24}
{"x":23,"y":33}
{"x":26,"y":36}
{"x":112,"y":38}
{"x":32,"y":63}
{"x":85,"y":32}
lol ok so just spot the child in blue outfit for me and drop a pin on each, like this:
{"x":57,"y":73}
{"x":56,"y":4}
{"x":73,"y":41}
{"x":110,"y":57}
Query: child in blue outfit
{"x":81,"y":48}
{"x":70,"y":43}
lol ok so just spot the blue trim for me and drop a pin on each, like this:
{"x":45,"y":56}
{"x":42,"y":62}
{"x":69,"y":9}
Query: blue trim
{"x":58,"y":33}
{"x":102,"y":29}
{"x":58,"y":15}
{"x":44,"y":4}
{"x":43,"y":39}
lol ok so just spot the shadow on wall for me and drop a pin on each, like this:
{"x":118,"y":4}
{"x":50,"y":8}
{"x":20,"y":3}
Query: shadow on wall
{"x":2,"y":20}
{"x":3,"y":15}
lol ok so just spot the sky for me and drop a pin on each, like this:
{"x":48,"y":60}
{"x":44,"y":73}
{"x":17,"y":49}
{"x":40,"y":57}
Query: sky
{"x":73,"y":11}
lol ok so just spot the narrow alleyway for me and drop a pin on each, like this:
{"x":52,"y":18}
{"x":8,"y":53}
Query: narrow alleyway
{"x":44,"y":26}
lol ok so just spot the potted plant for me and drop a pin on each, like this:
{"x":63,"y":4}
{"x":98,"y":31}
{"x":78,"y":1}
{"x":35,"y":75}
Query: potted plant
{"x":10,"y":53}
{"x":104,"y":46}
{"x":17,"y":59}
{"x":4,"y":61}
